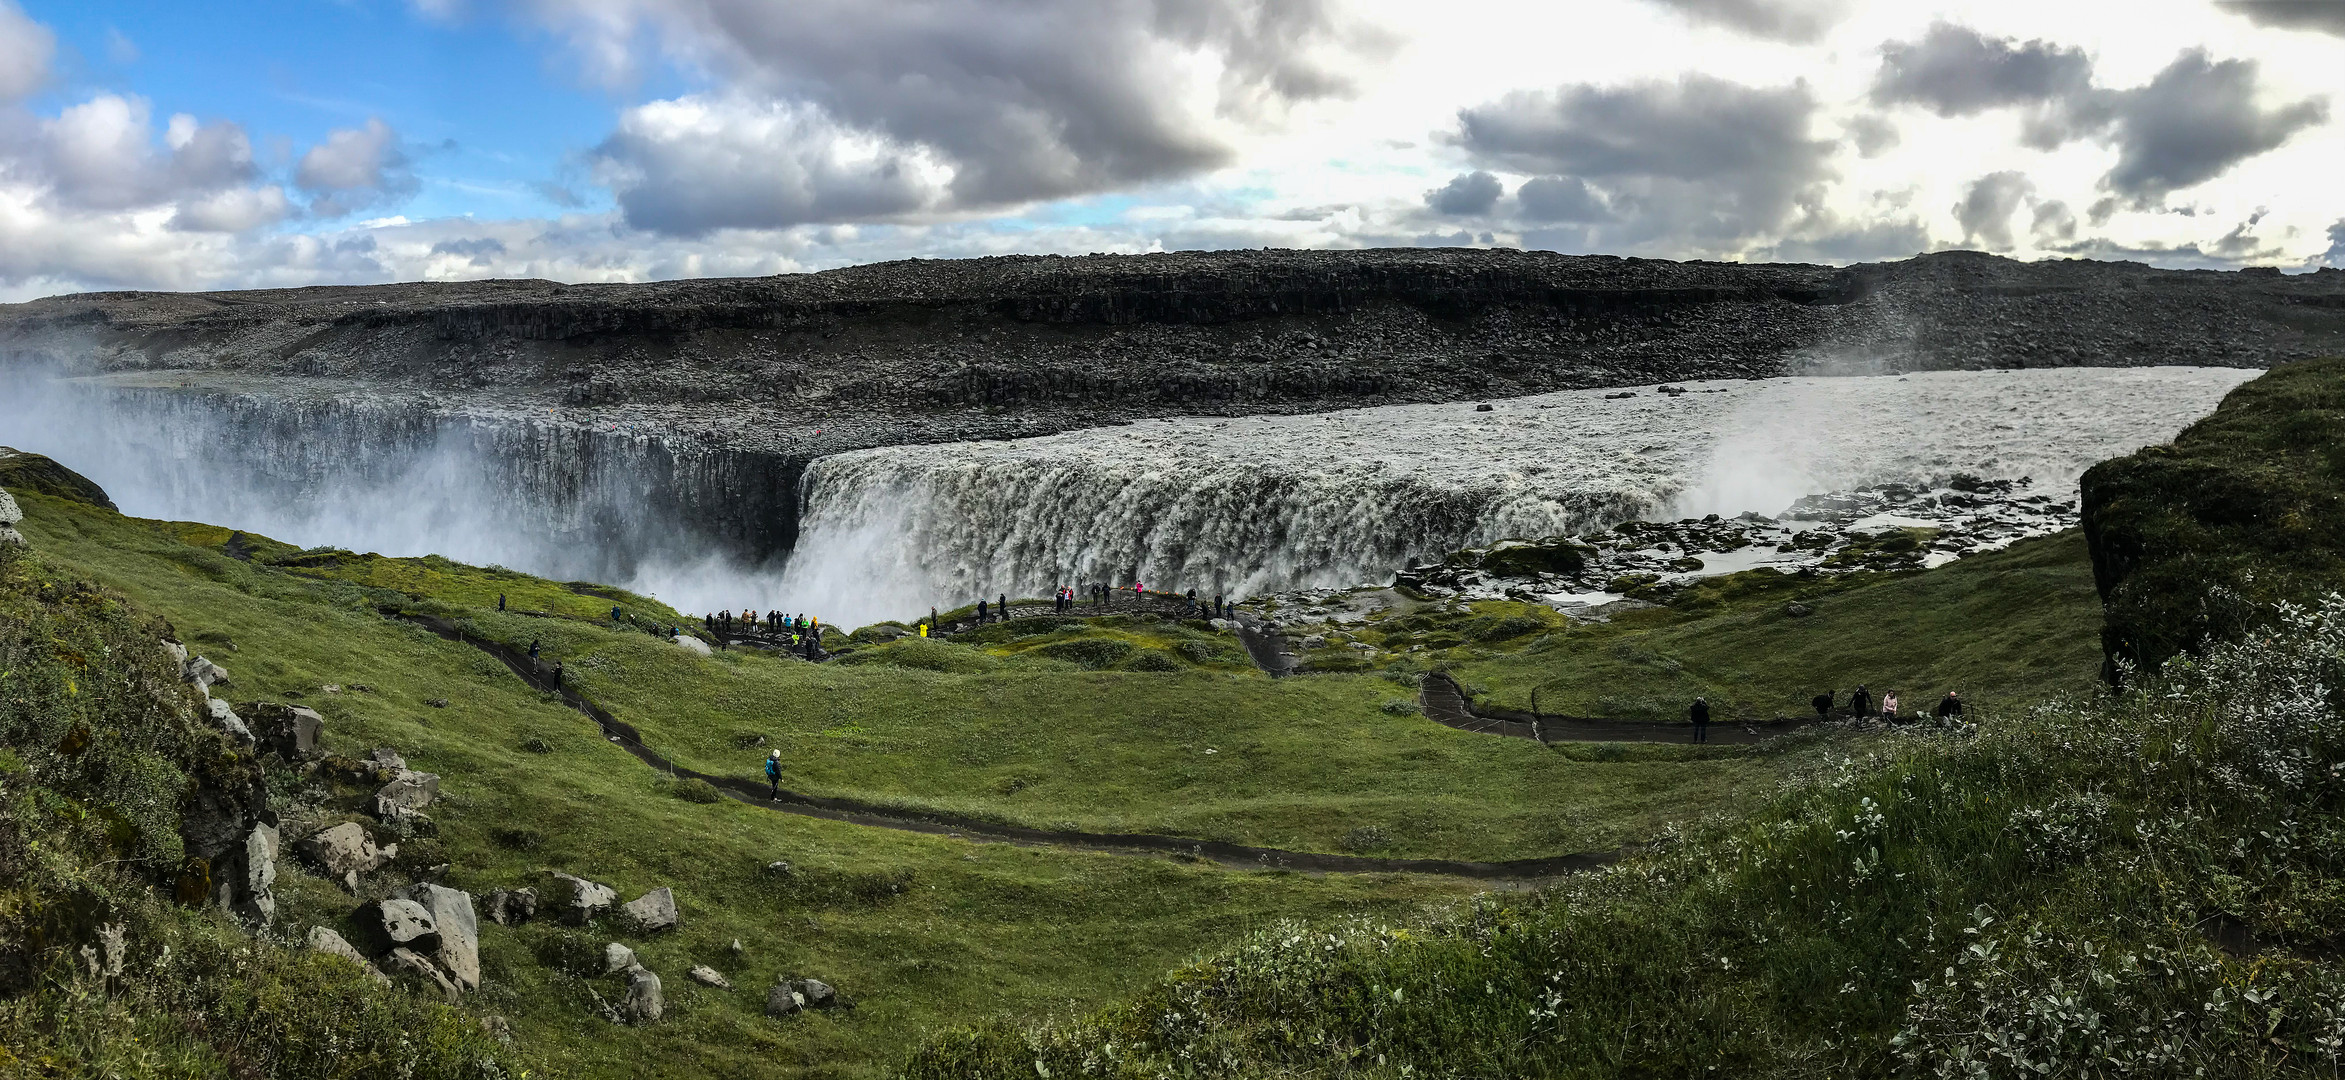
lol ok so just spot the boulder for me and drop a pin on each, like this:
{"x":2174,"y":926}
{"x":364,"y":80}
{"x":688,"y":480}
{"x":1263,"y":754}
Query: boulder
{"x":332,"y":944}
{"x":204,"y":674}
{"x":177,"y":653}
{"x":407,"y":963}
{"x":737,"y":948}
{"x":228,"y":722}
{"x":617,"y":958}
{"x":708,"y":976}
{"x":584,"y":901}
{"x":782,"y":1000}
{"x":384,"y":758}
{"x":396,"y":923}
{"x":451,"y":911}
{"x":816,"y":993}
{"x":345,"y":850}
{"x":643,"y":1004}
{"x":289,"y":731}
{"x":406,"y":791}
{"x":248,"y":882}
{"x":510,"y":907}
{"x":652,"y":912}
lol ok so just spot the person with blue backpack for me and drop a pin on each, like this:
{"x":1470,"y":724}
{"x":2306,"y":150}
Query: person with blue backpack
{"x":773,"y":773}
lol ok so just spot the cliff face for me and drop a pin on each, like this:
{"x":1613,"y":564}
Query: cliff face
{"x":1020,"y":345}
{"x":2193,"y":542}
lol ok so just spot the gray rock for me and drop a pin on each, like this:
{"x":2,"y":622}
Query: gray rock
{"x":816,"y":993}
{"x":617,"y":958}
{"x":708,"y":976}
{"x":205,"y":674}
{"x":10,"y":514}
{"x":510,"y":907}
{"x":395,"y":923}
{"x":451,"y":911}
{"x":332,"y":944}
{"x":782,"y":1000}
{"x":345,"y":850}
{"x":177,"y":653}
{"x":652,"y":912}
{"x":737,"y":948}
{"x":406,"y":791}
{"x":384,"y":757}
{"x":288,"y":731}
{"x":252,"y":891}
{"x":227,"y":721}
{"x":584,"y":901}
{"x":498,"y":1029}
{"x":643,"y":1004}
{"x":408,"y":963}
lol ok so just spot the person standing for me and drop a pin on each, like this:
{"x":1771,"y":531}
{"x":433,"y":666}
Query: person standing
{"x":1701,"y":715}
{"x":1949,"y":707}
{"x":1823,"y":705}
{"x":533,"y":649}
{"x":1860,"y":704}
{"x":1001,"y":606}
{"x":773,"y":773}
{"x":1889,"y":707}
{"x":500,"y":601}
{"x":981,"y":613}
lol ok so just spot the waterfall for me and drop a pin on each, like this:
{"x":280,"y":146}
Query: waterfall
{"x":1256,"y":504}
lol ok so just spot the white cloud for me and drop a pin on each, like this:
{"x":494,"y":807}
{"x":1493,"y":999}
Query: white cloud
{"x":355,"y":168}
{"x":25,"y":49}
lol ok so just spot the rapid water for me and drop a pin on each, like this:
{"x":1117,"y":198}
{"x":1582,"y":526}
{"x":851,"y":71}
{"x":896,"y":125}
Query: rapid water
{"x":1259,"y":504}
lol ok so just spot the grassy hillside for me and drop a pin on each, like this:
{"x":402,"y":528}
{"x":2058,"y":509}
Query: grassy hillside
{"x":2006,"y":629}
{"x":2193,"y":542}
{"x":2136,"y":886}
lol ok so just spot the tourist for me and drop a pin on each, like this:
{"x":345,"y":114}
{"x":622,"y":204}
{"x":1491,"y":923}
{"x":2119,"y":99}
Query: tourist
{"x":500,"y":601}
{"x":923,"y":629}
{"x":1949,"y":707}
{"x":1701,"y":714}
{"x":615,"y":619}
{"x":1002,"y":606}
{"x":1889,"y":707}
{"x":1860,"y":704}
{"x":1823,"y":705}
{"x":1192,"y":601}
{"x":773,"y":773}
{"x":533,"y":648}
{"x":981,"y":613}
{"x":1219,"y":610}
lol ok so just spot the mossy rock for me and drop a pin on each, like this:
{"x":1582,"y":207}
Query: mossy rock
{"x":1525,"y":560}
{"x":42,"y":475}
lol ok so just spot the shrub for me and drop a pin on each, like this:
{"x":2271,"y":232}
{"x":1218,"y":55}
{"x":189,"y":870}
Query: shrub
{"x":1156,"y":660}
{"x":693,"y":789}
{"x":1093,"y":653}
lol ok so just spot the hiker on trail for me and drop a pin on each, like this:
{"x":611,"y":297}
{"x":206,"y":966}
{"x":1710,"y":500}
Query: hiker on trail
{"x":533,"y":648}
{"x":557,"y":673}
{"x":1889,"y":707}
{"x":931,"y":619}
{"x":1823,"y":704}
{"x":500,"y":601}
{"x":773,"y":773}
{"x":615,"y":613}
{"x":1139,"y":591}
{"x":1701,"y":713}
{"x":1192,"y":600}
{"x":1860,"y":704}
{"x":1949,"y":706}
{"x":981,"y":612}
{"x":1002,"y":606}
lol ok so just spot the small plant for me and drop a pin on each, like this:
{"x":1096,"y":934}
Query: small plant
{"x":1399,"y":707}
{"x":696,"y":790}
{"x":1365,"y":839}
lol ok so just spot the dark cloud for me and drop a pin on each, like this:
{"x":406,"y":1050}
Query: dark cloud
{"x":1561,"y":198}
{"x":2053,"y":220}
{"x":951,"y":104}
{"x":1700,"y":158}
{"x":356,"y":168}
{"x":2193,"y":122}
{"x":1986,"y":208}
{"x":1796,"y":21}
{"x":1465,"y":194}
{"x":479,"y":250}
{"x":1957,"y":71}
{"x":2336,"y":255}
{"x":2326,"y":16}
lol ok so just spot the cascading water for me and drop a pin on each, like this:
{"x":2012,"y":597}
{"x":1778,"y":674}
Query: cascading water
{"x":1266,"y":503}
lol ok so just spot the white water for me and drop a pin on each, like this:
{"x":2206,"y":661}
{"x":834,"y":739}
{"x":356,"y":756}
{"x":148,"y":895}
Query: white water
{"x":1251,"y":505}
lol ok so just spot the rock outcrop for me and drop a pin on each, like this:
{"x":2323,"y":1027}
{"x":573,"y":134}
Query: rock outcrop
{"x":583,"y":901}
{"x":458,"y":951}
{"x":396,"y":923}
{"x":510,"y":907}
{"x":9,"y":516}
{"x":345,"y":852}
{"x":652,"y":912}
{"x":333,"y":944}
{"x":644,"y":1003}
{"x":40,"y":475}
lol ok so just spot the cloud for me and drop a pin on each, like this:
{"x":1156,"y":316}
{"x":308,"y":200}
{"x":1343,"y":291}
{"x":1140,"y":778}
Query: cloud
{"x":2053,"y":221}
{"x":1987,"y":205}
{"x":2193,"y":122}
{"x":25,"y":50}
{"x":355,"y":168}
{"x":2336,"y":253}
{"x":1873,"y":135}
{"x":997,"y":104}
{"x":1697,"y":159}
{"x":234,"y":210}
{"x":1957,"y":71}
{"x":2326,"y":16}
{"x":1797,"y":21}
{"x":1465,"y":194}
{"x":1561,"y":198}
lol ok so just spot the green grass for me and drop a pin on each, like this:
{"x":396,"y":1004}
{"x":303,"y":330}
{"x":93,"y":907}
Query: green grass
{"x":2006,"y":629}
{"x":969,"y":930}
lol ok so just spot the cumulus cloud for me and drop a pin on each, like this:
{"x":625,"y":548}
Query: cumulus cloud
{"x":233,"y":210}
{"x":1561,"y":198}
{"x":1699,"y":158}
{"x":2326,"y":16}
{"x":25,"y":49}
{"x":1465,"y":194}
{"x":1796,"y":21}
{"x":1873,"y":135}
{"x":355,"y":168}
{"x":995,"y":103}
{"x":2053,"y":221}
{"x":1957,"y":71}
{"x":2194,"y":121}
{"x":1987,"y":205}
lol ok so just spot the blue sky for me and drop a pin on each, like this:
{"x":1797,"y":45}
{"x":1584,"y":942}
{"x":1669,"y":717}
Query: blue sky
{"x":284,"y":142}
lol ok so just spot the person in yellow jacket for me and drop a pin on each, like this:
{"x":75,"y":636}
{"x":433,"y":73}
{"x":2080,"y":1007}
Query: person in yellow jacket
{"x":923,"y":629}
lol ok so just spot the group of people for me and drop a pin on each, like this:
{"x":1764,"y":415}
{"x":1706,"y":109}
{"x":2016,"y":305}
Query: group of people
{"x":1860,"y":705}
{"x":798,"y":632}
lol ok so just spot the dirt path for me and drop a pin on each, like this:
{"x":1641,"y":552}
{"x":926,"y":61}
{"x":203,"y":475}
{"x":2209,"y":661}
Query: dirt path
{"x":859,"y":812}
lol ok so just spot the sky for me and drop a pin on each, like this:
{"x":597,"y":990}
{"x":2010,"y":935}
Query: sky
{"x":203,"y":145}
